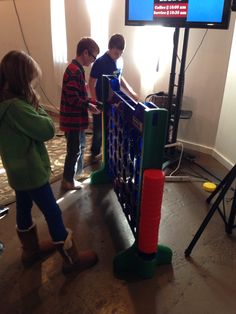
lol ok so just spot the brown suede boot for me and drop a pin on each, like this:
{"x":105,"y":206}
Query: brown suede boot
{"x":72,"y":259}
{"x":33,"y":251}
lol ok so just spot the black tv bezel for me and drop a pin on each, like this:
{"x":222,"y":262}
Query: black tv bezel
{"x":171,"y":22}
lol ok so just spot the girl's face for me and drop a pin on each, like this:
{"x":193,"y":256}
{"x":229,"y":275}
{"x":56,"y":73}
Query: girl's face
{"x":36,"y":74}
{"x":35,"y":82}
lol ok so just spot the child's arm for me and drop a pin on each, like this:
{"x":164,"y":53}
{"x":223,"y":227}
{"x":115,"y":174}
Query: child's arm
{"x":34,"y":124}
{"x":92,"y":83}
{"x":128,"y":88}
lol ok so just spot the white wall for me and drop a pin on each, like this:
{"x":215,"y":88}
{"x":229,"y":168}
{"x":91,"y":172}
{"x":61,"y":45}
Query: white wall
{"x":35,"y":21}
{"x":204,"y":86}
{"x":225,"y":146}
{"x":205,"y":78}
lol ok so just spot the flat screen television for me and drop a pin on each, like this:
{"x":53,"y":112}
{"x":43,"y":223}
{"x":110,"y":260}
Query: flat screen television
{"x":179,"y":13}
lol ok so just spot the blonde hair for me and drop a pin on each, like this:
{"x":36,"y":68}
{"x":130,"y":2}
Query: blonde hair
{"x":17,"y":71}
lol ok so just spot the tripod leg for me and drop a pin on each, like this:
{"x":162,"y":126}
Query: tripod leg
{"x":200,"y":230}
{"x":232,"y":214}
{"x":214,"y":207}
{"x":229,"y":177}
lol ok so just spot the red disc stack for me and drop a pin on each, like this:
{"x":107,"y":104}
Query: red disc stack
{"x":150,"y":210}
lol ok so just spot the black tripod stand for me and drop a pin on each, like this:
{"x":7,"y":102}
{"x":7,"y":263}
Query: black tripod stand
{"x":221,"y":190}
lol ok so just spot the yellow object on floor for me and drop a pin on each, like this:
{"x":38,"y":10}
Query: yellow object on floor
{"x":209,"y":186}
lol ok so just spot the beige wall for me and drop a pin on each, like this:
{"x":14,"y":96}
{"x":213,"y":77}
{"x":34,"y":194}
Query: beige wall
{"x":205,"y":78}
{"x":204,"y":85}
{"x":225,"y":146}
{"x":35,"y":21}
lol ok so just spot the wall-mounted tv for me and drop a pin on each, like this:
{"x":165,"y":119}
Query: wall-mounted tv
{"x":179,"y":13}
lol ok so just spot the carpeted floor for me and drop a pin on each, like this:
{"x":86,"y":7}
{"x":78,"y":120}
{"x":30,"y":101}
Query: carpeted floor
{"x":57,"y":150}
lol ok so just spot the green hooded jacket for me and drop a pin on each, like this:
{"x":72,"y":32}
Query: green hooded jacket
{"x":23,"y":131}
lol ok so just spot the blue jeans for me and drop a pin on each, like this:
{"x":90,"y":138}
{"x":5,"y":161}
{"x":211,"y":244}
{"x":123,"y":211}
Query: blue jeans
{"x":97,"y":134}
{"x":74,"y":161}
{"x":46,"y":202}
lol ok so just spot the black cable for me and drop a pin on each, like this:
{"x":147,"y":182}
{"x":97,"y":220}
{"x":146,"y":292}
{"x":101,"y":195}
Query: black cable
{"x":191,"y":60}
{"x":21,"y":29}
{"x":224,"y":200}
{"x":195,"y":174}
{"x":202,"y":168}
{"x":45,"y":95}
{"x":198,"y":173}
{"x":163,"y":94}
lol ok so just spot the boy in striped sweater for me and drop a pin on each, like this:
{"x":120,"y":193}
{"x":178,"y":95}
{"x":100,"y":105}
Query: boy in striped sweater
{"x":74,"y":110}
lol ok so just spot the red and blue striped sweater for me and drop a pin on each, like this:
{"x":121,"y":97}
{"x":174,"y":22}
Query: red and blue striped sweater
{"x":74,"y":99}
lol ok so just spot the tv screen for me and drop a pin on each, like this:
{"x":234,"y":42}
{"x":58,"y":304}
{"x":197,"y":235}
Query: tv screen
{"x":179,"y":13}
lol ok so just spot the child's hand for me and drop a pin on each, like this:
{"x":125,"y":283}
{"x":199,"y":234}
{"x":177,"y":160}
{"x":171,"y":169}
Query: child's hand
{"x":93,"y":109}
{"x":135,"y":96}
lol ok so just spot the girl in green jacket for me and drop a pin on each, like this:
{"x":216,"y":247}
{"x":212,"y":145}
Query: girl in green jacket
{"x":24,"y":127}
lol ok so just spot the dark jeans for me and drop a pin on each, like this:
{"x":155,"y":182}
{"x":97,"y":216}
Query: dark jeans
{"x":74,"y":160}
{"x":97,"y":134}
{"x":45,"y":200}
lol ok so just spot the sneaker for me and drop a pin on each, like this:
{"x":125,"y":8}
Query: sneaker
{"x":69,"y":186}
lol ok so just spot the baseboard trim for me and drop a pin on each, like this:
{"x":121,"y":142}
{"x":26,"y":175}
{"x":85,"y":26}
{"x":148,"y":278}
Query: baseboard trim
{"x":222,"y":159}
{"x":197,"y":147}
{"x":208,"y":150}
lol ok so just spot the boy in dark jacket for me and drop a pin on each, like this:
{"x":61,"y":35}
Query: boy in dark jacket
{"x":110,"y":63}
